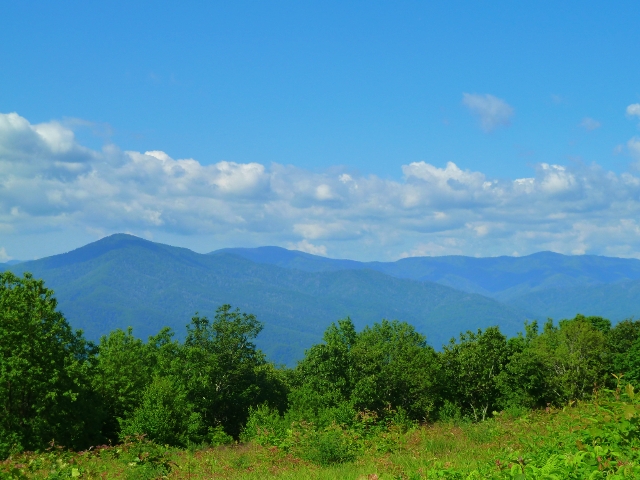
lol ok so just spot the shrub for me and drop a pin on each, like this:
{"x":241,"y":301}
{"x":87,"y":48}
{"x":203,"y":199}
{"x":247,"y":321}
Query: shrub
{"x":330,"y":446}
{"x":265,"y":426}
{"x":164,"y":416}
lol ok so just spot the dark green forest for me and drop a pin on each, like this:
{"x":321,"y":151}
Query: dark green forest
{"x":214,"y":385}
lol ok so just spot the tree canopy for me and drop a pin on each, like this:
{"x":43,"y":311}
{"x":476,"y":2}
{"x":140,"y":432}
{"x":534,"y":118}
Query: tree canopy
{"x":215,"y":385}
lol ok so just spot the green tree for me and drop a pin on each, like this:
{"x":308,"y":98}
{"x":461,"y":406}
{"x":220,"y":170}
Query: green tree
{"x":629,"y":364}
{"x":472,"y":368}
{"x":623,"y":342}
{"x":123,"y":372}
{"x":323,"y":378}
{"x":165,"y":415}
{"x":575,"y":357}
{"x":386,"y":366}
{"x":217,"y":373}
{"x":394,"y":367}
{"x":523,"y":381}
{"x":45,"y":371}
{"x":235,"y":374}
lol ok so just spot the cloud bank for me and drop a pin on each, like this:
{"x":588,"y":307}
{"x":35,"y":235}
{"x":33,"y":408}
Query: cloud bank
{"x":51,"y":183}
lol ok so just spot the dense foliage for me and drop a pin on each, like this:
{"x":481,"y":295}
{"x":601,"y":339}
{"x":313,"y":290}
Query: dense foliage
{"x":595,"y":439}
{"x":216,"y":386}
{"x":45,"y":372}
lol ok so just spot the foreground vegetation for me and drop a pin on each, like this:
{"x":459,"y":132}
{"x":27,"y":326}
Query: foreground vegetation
{"x":597,"y":439}
{"x":379,"y":402}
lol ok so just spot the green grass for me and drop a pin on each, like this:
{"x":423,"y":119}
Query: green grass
{"x":585,"y":440}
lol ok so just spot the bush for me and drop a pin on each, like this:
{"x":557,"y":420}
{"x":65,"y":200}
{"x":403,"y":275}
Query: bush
{"x":265,"y":426}
{"x":217,"y":436}
{"x":145,"y":460}
{"x":449,"y":411}
{"x":164,"y":416}
{"x":329,"y":447}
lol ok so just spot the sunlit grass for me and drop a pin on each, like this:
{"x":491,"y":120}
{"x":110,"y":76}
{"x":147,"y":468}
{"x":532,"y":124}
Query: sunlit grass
{"x":449,"y":448}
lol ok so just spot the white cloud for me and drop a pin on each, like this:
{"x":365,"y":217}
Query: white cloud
{"x":50,"y":183}
{"x":323,"y":192}
{"x":556,"y":179}
{"x":307,"y":247}
{"x":481,"y":230}
{"x":590,"y":124}
{"x":633,"y":110}
{"x":492,"y":111}
{"x":4,"y":257}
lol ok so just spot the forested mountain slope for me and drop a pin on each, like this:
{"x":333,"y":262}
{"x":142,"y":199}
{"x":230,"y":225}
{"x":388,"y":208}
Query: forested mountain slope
{"x":615,"y":301}
{"x":499,"y":277}
{"x":122,"y":281}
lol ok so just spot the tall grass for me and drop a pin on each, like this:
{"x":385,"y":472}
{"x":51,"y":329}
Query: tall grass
{"x":596,"y":439}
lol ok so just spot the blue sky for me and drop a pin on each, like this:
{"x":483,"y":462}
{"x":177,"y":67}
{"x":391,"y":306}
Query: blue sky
{"x":277,"y":101}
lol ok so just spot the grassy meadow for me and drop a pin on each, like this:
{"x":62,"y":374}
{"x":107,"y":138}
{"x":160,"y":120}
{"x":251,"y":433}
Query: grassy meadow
{"x":596,"y":439}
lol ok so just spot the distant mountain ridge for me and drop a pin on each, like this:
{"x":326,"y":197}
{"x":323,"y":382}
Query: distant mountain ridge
{"x":615,"y":301}
{"x":503,"y":278}
{"x":123,"y":280}
{"x":10,"y":262}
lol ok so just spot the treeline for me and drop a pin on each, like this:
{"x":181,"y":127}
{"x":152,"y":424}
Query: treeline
{"x":216,"y":386}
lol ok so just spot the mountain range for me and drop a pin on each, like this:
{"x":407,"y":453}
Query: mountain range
{"x":503,"y":278}
{"x":122,"y":281}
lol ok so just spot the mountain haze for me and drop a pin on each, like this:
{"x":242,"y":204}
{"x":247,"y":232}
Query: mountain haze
{"x":615,"y":301}
{"x":9,"y":263}
{"x":122,"y":281}
{"x":544,"y":283}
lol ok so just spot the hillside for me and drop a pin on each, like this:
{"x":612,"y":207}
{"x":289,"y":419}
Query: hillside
{"x":615,"y":301}
{"x":123,"y":281}
{"x":9,"y":263}
{"x":545,"y":283}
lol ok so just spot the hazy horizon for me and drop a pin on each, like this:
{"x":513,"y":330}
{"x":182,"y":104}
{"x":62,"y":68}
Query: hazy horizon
{"x":206,"y":252}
